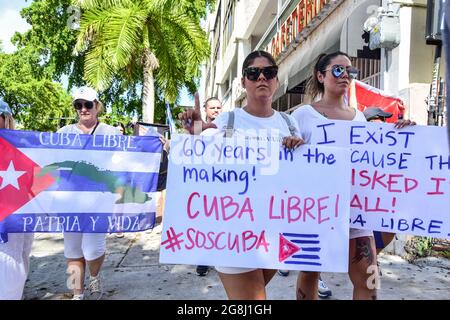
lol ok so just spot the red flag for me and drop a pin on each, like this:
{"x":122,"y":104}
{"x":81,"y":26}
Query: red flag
{"x":287,"y":249}
{"x":368,"y":96}
{"x":19,"y":179}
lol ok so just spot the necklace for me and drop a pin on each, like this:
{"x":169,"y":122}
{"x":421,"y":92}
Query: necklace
{"x":324,"y":114}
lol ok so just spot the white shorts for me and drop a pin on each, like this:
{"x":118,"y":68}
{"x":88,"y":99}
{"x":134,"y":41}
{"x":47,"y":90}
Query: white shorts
{"x":233,"y":270}
{"x":14,"y":265}
{"x":89,"y":246}
{"x":359,"y":233}
{"x":354,"y":233}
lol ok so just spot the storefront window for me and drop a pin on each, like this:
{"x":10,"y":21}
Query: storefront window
{"x":228,"y":23}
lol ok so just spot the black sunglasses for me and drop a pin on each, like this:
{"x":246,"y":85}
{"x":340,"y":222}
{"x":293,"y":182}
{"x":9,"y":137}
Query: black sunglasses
{"x":253,"y":73}
{"x":338,"y":71}
{"x":79,"y":105}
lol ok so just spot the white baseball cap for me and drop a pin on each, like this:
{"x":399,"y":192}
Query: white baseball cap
{"x":85,"y":93}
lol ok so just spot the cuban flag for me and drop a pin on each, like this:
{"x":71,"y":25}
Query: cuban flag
{"x":368,"y":96}
{"x":57,"y":182}
{"x":172,"y":126}
{"x":299,"y":249}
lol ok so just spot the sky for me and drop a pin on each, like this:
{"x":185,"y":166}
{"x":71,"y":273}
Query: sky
{"x":11,"y":21}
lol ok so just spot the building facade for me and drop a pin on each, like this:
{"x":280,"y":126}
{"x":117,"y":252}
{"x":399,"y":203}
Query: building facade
{"x":297,"y":31}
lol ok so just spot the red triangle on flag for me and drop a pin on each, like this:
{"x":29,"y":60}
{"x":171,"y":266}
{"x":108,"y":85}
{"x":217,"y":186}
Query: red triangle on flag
{"x":287,"y":249}
{"x":29,"y":182}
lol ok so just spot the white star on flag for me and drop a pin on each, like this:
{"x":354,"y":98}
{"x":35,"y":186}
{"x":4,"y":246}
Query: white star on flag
{"x":10,"y":177}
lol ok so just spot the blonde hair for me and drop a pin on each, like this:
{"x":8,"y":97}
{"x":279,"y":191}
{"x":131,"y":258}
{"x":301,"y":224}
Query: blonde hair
{"x":100,"y":108}
{"x":9,"y":122}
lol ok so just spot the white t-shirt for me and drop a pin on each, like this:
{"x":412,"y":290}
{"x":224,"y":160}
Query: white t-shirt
{"x":304,"y":114}
{"x":248,"y":125}
{"x":102,"y":129}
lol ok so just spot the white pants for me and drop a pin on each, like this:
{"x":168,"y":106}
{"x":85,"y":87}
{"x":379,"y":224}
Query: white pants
{"x":89,"y":246}
{"x":14,"y":265}
{"x":354,"y":233}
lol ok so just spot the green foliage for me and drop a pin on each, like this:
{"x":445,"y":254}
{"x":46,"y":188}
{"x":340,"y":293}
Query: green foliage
{"x":50,"y":45}
{"x":115,"y":33}
{"x":51,"y":38}
{"x":420,"y":246}
{"x":37,"y":102}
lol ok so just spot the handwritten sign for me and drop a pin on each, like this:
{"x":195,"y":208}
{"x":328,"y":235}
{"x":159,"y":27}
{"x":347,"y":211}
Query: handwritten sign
{"x":251,"y":203}
{"x":400,"y":178}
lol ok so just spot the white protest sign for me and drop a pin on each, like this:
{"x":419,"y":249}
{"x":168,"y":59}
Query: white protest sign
{"x":400,"y":177}
{"x":223,"y":209}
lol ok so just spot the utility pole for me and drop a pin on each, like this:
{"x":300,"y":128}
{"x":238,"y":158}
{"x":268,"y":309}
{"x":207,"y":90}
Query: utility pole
{"x":433,"y":98}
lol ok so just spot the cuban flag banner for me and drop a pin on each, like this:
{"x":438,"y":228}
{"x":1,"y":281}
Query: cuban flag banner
{"x":368,"y":96}
{"x":57,"y":182}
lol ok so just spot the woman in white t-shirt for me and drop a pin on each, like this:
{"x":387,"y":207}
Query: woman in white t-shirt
{"x":328,"y":85}
{"x":259,"y":78}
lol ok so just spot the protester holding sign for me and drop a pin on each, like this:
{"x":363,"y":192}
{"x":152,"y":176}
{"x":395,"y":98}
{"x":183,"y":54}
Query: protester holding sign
{"x":330,"y":81}
{"x":259,"y":78}
{"x":82,"y":248}
{"x":15,"y":248}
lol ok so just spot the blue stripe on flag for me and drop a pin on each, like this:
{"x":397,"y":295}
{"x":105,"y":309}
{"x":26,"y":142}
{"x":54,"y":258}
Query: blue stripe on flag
{"x":304,"y":243}
{"x":305,"y":256}
{"x":46,"y":140}
{"x":311,"y":249}
{"x":66,"y":181}
{"x":297,"y":235}
{"x":304,"y":263}
{"x":70,"y":222}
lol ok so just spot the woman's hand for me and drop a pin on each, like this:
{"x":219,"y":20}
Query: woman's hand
{"x":191,"y":119}
{"x":403,"y":123}
{"x":293,"y":142}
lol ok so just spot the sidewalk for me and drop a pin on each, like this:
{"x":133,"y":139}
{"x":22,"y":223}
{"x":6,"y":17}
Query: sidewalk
{"x":131,"y":271}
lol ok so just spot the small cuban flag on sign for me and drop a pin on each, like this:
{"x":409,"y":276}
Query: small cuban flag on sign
{"x":300,"y":249}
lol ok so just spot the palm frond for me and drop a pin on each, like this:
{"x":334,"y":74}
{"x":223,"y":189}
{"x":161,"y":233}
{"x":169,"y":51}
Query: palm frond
{"x":123,"y":33}
{"x":97,"y":68}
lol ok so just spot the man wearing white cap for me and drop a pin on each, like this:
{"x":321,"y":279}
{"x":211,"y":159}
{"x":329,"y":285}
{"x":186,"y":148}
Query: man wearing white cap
{"x":90,"y":248}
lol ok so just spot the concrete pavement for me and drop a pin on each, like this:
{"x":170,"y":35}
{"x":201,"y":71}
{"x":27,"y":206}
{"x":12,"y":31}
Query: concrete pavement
{"x":131,"y":271}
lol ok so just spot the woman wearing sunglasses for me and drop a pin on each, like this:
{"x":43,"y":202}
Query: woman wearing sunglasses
{"x":15,"y":248}
{"x":86,"y":248}
{"x":259,"y":78}
{"x":330,"y":81}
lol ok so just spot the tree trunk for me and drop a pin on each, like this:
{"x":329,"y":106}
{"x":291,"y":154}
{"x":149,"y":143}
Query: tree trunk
{"x":148,"y":91}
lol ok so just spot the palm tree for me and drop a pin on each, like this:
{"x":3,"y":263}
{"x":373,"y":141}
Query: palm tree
{"x":149,"y":40}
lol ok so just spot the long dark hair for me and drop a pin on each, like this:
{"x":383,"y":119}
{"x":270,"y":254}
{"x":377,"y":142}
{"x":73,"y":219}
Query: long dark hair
{"x":314,"y":88}
{"x":257,"y":54}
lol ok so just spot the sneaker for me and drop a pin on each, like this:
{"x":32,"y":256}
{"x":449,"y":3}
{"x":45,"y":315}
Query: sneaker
{"x":324,"y":291}
{"x":78,"y":297}
{"x":283,"y":273}
{"x":95,"y":288}
{"x":202,"y":271}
